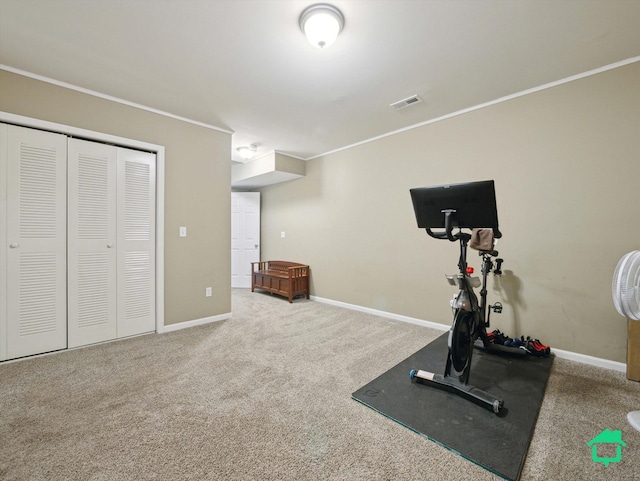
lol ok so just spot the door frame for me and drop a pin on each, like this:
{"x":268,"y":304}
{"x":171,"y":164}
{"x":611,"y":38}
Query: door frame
{"x":158,"y":150}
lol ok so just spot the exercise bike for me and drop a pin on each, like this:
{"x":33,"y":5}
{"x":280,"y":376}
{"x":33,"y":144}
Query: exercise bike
{"x":466,"y":206}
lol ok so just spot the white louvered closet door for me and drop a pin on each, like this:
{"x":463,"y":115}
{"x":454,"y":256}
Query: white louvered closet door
{"x":92,"y":242}
{"x":34,"y":251}
{"x":111,"y":242}
{"x":136,"y":242}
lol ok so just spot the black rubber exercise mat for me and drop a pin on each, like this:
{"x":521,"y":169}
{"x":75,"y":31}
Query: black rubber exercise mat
{"x":498,"y":443}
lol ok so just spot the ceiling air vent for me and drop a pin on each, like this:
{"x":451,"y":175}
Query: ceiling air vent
{"x":401,"y":104}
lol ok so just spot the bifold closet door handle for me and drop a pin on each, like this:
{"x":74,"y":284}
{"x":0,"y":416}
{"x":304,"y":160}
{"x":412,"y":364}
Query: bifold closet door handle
{"x":109,"y":246}
{"x":14,"y":245}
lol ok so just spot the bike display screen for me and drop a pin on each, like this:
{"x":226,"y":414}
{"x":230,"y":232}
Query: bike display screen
{"x":474,"y":204}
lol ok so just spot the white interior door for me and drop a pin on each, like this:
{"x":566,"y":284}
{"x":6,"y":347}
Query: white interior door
{"x":35,"y":244}
{"x":92,"y":242}
{"x":245,"y":236}
{"x":136,"y":242}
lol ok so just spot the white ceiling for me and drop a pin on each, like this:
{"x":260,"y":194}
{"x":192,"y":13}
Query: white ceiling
{"x":245,"y":66}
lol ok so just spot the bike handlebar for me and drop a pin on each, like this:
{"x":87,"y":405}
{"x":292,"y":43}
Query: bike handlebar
{"x":437,"y":235}
{"x":448,"y":229}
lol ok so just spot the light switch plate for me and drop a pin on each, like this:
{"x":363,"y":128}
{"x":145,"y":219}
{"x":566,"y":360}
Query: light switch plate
{"x":183,"y":232}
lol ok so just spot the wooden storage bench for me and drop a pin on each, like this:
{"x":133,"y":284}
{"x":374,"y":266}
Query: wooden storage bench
{"x":288,"y":279}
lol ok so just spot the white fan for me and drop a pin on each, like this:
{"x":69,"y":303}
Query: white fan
{"x":626,"y":297}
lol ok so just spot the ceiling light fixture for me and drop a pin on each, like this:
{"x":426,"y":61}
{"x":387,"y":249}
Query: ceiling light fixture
{"x":247,"y":152}
{"x":321,"y":23}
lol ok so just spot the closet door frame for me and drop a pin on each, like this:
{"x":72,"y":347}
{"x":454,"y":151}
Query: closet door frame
{"x":158,"y":150}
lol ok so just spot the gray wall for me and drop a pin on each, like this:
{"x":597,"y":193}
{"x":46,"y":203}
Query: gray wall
{"x":197,"y":186}
{"x":566,"y":162}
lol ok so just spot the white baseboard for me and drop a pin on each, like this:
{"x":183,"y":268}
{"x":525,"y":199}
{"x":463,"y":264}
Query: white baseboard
{"x":571,"y":356}
{"x":388,"y":315}
{"x":593,"y":361}
{"x":196,"y":322}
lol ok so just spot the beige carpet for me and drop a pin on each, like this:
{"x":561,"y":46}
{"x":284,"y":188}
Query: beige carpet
{"x":266,"y":395}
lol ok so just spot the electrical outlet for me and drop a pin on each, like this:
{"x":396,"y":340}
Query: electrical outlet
{"x":207,"y":292}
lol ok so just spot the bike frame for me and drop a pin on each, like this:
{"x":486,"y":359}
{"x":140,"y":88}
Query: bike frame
{"x":467,"y":311}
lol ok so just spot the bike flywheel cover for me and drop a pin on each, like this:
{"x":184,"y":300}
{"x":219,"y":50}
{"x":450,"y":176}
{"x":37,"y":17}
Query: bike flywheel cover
{"x":460,"y":344}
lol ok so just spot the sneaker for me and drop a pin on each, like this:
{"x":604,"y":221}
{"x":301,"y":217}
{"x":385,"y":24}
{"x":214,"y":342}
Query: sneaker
{"x":496,"y":337}
{"x":541,"y":346}
{"x":535,"y":347}
{"x":517,"y":342}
